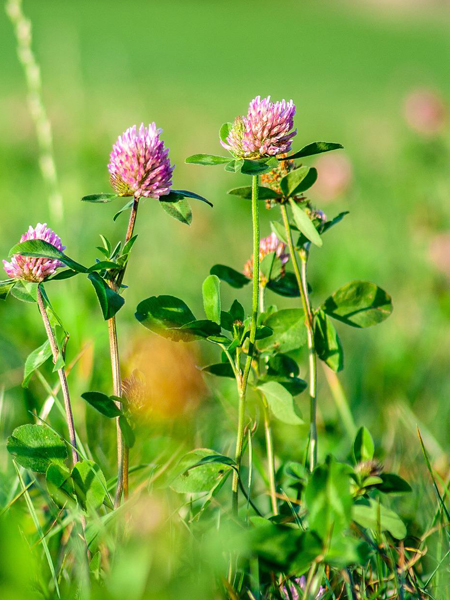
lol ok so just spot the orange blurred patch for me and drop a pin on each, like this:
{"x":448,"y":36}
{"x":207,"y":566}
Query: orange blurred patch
{"x":170,"y":383}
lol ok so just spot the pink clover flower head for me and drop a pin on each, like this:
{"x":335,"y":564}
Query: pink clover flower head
{"x":266,"y":246}
{"x":265,"y":131}
{"x":425,"y":112}
{"x":139,"y":163}
{"x":31,"y":268}
{"x":300,"y":583}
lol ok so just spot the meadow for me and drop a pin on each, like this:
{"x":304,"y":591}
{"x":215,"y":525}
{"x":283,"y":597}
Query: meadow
{"x":191,"y":66}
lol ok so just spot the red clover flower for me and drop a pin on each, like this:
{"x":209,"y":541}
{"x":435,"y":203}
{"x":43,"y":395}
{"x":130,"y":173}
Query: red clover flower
{"x":139,"y":163}
{"x":30,"y":268}
{"x":265,"y":131}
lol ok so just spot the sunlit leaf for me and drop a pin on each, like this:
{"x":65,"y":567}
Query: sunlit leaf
{"x":372,"y":515}
{"x":289,"y":331}
{"x":191,"y":477}
{"x":314,"y":148}
{"x":207,"y":159}
{"x":359,"y":304}
{"x":89,"y":484}
{"x":178,"y":209}
{"x":35,"y":360}
{"x":281,"y":403}
{"x":36,"y":446}
{"x":363,"y":447}
{"x":305,"y":225}
{"x":211,"y":298}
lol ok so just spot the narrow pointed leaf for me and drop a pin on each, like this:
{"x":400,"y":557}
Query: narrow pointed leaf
{"x":279,"y":231}
{"x":220,"y":370}
{"x":103,"y":265}
{"x":363,"y":448}
{"x":329,"y":224}
{"x":207,"y":159}
{"x":103,"y":198}
{"x":110,"y":301}
{"x":103,"y":403}
{"x":34,"y":360}
{"x":127,"y":431}
{"x":314,"y":148}
{"x":187,"y":194}
{"x":305,"y":224}
{"x":211,"y":298}
{"x":124,"y":208}
{"x":327,"y":342}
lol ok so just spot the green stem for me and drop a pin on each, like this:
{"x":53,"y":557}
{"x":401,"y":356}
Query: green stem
{"x":122,"y":449}
{"x":61,"y":375}
{"x":270,"y":457}
{"x":253,"y":326}
{"x":301,"y":276}
{"x":268,"y":430}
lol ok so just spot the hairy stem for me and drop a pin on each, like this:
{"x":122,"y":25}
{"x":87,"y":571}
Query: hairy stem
{"x":270,"y":458}
{"x":268,"y":431}
{"x":61,"y":375}
{"x":253,"y":326}
{"x":117,"y":390}
{"x":301,"y":276}
{"x":122,"y":449}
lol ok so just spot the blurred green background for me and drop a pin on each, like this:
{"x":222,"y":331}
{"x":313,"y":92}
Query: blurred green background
{"x":190,"y":65}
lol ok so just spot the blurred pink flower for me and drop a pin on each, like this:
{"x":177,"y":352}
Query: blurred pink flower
{"x":265,"y":131}
{"x":139,"y":163}
{"x":439,"y":253}
{"x":31,"y":268}
{"x":300,"y":582}
{"x":266,"y":246}
{"x":425,"y":112}
{"x":334,"y":176}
